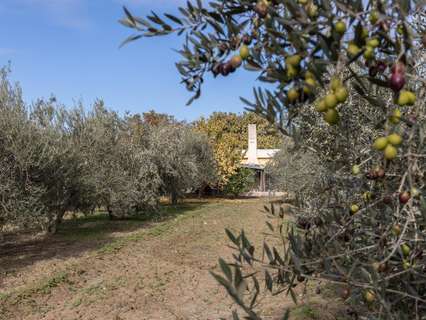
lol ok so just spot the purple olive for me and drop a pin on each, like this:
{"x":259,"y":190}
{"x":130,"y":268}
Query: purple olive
{"x":381,"y":66}
{"x":397,"y":81}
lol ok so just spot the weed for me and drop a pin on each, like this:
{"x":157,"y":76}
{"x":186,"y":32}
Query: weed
{"x":46,"y":286}
{"x":77,"y":302}
{"x":4,"y":296}
{"x":305,"y":312}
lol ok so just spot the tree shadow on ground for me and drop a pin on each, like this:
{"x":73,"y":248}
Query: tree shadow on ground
{"x":75,"y":236}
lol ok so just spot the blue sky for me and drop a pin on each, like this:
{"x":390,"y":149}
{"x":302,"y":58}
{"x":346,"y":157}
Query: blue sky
{"x":69,"y":48}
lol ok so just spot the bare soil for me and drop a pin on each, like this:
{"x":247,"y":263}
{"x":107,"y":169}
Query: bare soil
{"x":134,"y":269}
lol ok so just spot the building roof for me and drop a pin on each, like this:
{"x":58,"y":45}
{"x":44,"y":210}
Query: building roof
{"x":263,"y":153}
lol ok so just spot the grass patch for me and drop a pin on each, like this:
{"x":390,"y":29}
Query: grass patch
{"x":4,"y":296}
{"x":305,"y":312}
{"x":43,"y":287}
{"x":46,"y":286}
{"x":99,"y":227}
{"x":77,"y":302}
{"x":179,"y":213}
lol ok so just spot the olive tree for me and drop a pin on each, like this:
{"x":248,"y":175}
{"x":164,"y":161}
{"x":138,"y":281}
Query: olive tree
{"x":367,"y":233}
{"x":118,"y":163}
{"x":40,"y":172}
{"x":184,"y":159}
{"x":296,"y":170}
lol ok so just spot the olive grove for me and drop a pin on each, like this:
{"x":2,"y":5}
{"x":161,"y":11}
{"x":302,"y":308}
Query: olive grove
{"x":349,"y":89}
{"x":55,"y":160}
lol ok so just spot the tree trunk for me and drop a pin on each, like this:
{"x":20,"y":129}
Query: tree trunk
{"x":174,"y":198}
{"x":60,"y":217}
{"x":110,"y":214}
{"x":56,"y":220}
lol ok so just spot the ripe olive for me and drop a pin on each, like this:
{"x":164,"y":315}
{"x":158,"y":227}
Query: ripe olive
{"x":292,"y":95}
{"x":353,"y":49}
{"x":390,"y":152}
{"x":373,"y":42}
{"x":331,"y":101}
{"x":261,"y":8}
{"x":380,"y":143}
{"x":405,"y":249}
{"x":406,"y":264}
{"x":226,"y":69}
{"x":369,"y":296}
{"x":292,"y":71}
{"x":236,"y":61}
{"x":396,"y":230}
{"x":369,"y":53}
{"x":320,"y":106}
{"x":312,"y":10}
{"x":414,"y":192}
{"x":395,"y":117}
{"x":346,"y":293}
{"x":364,"y":33}
{"x":340,"y":27}
{"x":354,"y":208}
{"x":395,"y":139}
{"x":331,"y":116}
{"x":309,"y":75}
{"x":335,"y":84}
{"x":246,"y":39}
{"x":293,"y":60}
{"x":397,"y":81}
{"x":374,"y":17}
{"x":404,"y":197}
{"x":311,"y":82}
{"x":379,"y":172}
{"x":244,"y":52}
{"x":342,"y":94}
{"x":355,"y":170}
{"x":406,"y":98}
{"x":367,"y":196}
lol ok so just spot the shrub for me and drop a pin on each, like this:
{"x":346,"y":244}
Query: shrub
{"x":241,"y":181}
{"x":346,"y":81}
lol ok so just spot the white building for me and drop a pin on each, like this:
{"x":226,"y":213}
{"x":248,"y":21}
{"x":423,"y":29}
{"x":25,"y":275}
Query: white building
{"x":257,"y":159}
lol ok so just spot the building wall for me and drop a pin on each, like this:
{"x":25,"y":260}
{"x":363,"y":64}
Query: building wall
{"x":260,"y":161}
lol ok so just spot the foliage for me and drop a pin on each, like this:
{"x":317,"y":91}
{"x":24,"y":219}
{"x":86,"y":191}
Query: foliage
{"x":184,"y":159}
{"x":40,"y":172}
{"x":118,"y":170}
{"x":296,"y":170}
{"x":228,"y":135}
{"x":241,"y":181}
{"x":341,"y":75}
{"x":55,"y":159}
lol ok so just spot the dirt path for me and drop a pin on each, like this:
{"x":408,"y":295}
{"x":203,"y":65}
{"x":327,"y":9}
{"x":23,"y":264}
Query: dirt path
{"x":160,"y":271}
